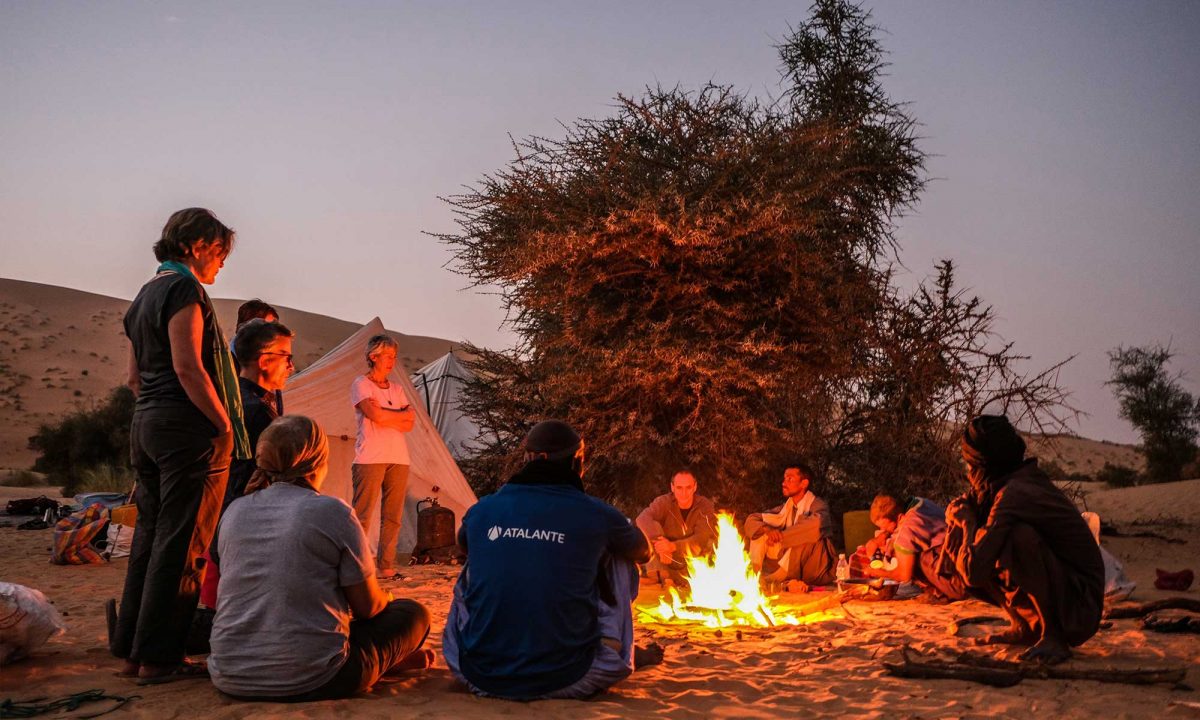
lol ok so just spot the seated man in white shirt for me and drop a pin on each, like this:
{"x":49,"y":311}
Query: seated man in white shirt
{"x":792,"y":544}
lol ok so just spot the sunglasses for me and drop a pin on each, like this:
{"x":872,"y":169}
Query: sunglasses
{"x":286,"y":356}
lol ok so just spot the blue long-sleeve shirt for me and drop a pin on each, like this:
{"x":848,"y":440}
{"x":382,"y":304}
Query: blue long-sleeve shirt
{"x":534,"y":554}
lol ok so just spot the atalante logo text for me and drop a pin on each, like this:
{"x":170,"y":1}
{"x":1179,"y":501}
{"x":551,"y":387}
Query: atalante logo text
{"x":496,"y":532}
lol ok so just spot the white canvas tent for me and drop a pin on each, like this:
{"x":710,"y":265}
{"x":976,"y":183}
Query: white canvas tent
{"x":322,"y":392}
{"x":440,"y":383}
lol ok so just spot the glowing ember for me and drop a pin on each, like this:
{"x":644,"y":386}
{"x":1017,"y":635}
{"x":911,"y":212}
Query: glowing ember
{"x":724,"y":590}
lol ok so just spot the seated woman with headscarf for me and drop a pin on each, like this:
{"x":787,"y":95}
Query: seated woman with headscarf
{"x":1023,"y":545}
{"x":300,"y":615}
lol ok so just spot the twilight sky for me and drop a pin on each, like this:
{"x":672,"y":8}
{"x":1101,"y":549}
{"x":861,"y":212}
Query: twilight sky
{"x":1065,"y":144}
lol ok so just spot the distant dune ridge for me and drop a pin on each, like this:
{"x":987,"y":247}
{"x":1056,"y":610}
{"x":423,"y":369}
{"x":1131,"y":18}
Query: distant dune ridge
{"x":61,"y":349}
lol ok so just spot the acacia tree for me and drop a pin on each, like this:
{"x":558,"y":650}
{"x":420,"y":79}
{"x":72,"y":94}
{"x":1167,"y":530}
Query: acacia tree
{"x":700,"y":279}
{"x":934,"y":361}
{"x":1163,"y":412}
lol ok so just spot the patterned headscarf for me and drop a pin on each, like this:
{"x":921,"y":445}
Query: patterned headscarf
{"x":293,"y":449}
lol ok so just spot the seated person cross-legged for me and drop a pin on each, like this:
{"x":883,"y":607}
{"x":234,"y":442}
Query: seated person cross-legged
{"x":542,"y":607}
{"x":679,"y":524}
{"x":300,"y":615}
{"x":793,"y":544}
{"x":915,"y":533}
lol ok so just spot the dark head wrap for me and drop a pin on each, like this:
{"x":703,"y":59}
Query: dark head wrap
{"x":552,"y":456}
{"x":992,"y":449}
{"x":293,"y":449}
{"x":991,"y":442}
{"x":554,"y":439}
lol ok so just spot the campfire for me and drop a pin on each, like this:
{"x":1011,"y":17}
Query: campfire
{"x":724,"y":589}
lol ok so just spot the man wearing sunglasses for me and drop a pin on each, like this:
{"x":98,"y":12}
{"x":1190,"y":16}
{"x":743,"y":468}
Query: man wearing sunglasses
{"x":264,"y":355}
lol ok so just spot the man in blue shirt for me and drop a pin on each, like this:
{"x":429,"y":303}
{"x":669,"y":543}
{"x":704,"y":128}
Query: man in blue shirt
{"x":542,"y":606}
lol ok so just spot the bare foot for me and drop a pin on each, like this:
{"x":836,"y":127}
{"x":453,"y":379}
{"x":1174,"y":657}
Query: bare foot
{"x":129,"y":669}
{"x":416,"y":660}
{"x":796,"y":586}
{"x":1048,"y":651}
{"x":158,"y":674}
{"x":1015,"y":635}
{"x":652,"y":654}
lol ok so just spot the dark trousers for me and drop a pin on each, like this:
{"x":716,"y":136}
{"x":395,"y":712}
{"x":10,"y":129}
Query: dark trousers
{"x":926,"y":571}
{"x":376,"y":645}
{"x":1038,"y":591}
{"x":181,"y":472}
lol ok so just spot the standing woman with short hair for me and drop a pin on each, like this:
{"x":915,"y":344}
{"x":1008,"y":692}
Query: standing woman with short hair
{"x":380,"y":449}
{"x":186,"y":423}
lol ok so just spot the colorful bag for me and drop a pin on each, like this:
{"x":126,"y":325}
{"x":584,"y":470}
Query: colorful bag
{"x":76,"y":534}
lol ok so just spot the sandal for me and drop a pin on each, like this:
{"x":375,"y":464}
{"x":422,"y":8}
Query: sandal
{"x":128,"y":674}
{"x":183,"y":671}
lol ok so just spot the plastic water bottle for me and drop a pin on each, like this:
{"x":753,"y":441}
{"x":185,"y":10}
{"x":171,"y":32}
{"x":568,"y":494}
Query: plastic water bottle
{"x":842,"y":572}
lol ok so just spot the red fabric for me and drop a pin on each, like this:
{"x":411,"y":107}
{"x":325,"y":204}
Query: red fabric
{"x":212,"y":577}
{"x":1175,"y":581}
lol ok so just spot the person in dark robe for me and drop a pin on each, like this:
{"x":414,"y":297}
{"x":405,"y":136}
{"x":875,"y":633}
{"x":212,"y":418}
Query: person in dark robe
{"x":1023,"y":546}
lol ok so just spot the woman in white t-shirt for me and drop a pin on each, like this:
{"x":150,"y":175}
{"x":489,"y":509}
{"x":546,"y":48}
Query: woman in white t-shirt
{"x":380,"y":450}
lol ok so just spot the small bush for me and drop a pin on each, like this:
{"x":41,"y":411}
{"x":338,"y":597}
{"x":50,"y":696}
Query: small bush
{"x":83,"y":440}
{"x":103,"y":478}
{"x":1058,"y":474}
{"x":1118,"y":476}
{"x":23,"y":478}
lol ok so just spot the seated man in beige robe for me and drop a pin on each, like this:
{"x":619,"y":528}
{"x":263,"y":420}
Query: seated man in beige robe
{"x":792,"y":544}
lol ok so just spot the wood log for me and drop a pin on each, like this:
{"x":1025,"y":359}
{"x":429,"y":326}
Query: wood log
{"x":825,"y":603}
{"x":940,"y":670}
{"x":1004,"y":673}
{"x":1134,"y":676}
{"x":1137,"y":611}
{"x":1172,"y":624}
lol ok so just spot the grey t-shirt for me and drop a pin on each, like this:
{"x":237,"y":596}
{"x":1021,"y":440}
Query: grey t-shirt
{"x":283,"y":623}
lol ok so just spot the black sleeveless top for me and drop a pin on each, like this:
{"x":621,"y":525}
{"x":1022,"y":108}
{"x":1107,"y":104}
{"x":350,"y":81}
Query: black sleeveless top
{"x":146,"y":327}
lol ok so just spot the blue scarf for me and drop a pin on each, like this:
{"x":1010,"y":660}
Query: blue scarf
{"x":226,"y":380}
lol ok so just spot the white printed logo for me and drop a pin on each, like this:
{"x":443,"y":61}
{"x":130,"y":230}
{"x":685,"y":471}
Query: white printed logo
{"x":496,"y":532}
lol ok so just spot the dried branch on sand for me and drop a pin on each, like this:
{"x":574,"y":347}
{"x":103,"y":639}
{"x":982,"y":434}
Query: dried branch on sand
{"x":1136,"y":611}
{"x":1002,"y":673}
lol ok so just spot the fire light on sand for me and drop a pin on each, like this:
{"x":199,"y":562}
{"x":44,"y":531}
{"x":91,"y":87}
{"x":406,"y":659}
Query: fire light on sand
{"x":724,"y":590}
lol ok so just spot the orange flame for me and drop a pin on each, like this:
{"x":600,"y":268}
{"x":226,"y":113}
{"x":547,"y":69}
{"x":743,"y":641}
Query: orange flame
{"x":724,"y":589}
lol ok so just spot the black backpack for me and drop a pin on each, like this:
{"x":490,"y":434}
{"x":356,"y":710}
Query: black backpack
{"x":32,"y":506}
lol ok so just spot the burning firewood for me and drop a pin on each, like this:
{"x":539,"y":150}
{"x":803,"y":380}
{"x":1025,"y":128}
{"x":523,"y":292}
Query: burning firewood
{"x":722,"y":590}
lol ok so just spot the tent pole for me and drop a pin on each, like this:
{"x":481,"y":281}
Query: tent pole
{"x":425,"y":387}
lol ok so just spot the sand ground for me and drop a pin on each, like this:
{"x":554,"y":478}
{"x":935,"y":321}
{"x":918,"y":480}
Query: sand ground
{"x":829,"y":668}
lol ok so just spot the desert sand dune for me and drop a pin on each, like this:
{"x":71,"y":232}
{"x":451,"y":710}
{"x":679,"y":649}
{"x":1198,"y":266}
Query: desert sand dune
{"x":61,"y":349}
